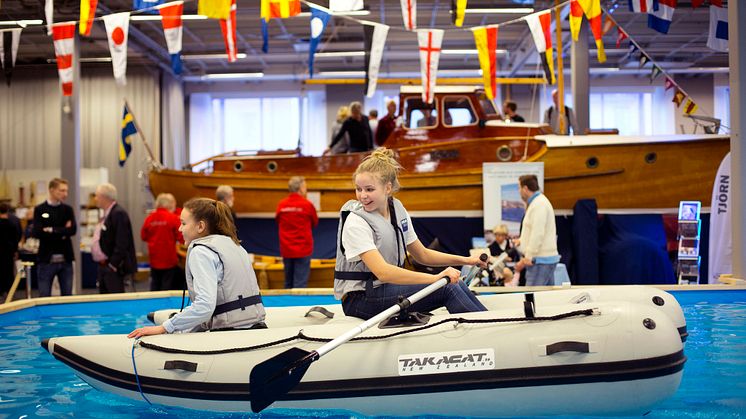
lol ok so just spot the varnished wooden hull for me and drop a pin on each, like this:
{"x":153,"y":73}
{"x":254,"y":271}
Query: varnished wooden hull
{"x":622,"y":178}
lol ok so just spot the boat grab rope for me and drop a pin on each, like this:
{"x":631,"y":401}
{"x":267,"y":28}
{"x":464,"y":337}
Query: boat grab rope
{"x":302,"y":336}
{"x":137,"y":376}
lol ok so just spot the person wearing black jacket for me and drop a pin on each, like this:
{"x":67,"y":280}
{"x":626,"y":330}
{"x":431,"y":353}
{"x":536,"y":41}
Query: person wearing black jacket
{"x":54,"y":224}
{"x":9,"y":239}
{"x":113,"y":244}
{"x":358,"y":129}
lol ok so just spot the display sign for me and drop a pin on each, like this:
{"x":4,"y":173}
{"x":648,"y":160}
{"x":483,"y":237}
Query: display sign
{"x":502,"y":198}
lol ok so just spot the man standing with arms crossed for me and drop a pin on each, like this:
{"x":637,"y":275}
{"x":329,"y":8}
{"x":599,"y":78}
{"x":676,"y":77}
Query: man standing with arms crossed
{"x":54,"y":224}
{"x":296,"y":216}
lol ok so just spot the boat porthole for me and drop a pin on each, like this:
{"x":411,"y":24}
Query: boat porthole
{"x":238,"y":166}
{"x":592,"y":162}
{"x":650,"y":158}
{"x":272,"y":166}
{"x":504,"y":153}
{"x":658,"y":301}
{"x":648,"y":323}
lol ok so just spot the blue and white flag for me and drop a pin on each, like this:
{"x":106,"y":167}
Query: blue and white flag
{"x":721,"y":243}
{"x":319,"y":19}
{"x":718,"y":39}
{"x":147,"y":4}
{"x":660,"y":15}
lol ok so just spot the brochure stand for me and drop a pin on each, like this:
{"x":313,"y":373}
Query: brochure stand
{"x":689,"y":230}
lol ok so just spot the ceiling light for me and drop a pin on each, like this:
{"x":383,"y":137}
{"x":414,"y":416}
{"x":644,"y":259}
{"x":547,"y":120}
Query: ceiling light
{"x":333,"y":13}
{"x":158,"y":17}
{"x":22,"y":23}
{"x":341,"y":54}
{"x":240,"y":56}
{"x":231,"y":76}
{"x":468,"y":51}
{"x":504,"y":11}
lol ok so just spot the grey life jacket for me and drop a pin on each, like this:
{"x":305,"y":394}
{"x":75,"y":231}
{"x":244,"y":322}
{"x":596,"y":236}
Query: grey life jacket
{"x":388,"y":236}
{"x":239,"y":303}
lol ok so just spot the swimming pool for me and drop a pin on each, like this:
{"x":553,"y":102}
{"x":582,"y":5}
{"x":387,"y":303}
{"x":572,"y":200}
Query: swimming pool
{"x":34,"y":384}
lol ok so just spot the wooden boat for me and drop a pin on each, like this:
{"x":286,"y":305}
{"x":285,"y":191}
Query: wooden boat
{"x":445,"y":160}
{"x":574,"y":358}
{"x":271,"y":275}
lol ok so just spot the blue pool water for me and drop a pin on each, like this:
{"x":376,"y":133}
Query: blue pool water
{"x":33,"y":384}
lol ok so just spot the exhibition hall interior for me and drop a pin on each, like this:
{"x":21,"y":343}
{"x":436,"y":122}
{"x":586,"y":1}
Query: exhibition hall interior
{"x":187,"y":186}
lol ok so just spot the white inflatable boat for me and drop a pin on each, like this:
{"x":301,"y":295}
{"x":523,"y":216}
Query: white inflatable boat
{"x":575,"y":357}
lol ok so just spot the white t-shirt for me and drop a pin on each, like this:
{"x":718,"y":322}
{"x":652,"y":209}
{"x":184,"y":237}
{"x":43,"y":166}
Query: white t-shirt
{"x":357,"y":236}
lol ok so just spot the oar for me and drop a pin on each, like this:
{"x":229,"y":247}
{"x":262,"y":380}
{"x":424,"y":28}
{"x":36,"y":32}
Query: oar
{"x":274,"y":377}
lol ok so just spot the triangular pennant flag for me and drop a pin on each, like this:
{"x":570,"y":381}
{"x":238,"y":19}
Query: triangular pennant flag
{"x":215,"y":9}
{"x":632,"y":51}
{"x":117,"y":29}
{"x":8,"y":49}
{"x":228,"y":27}
{"x":644,"y":59}
{"x":718,"y":36}
{"x":172,"y":29}
{"x":621,"y":36}
{"x":697,"y":3}
{"x":659,"y":18}
{"x":678,"y":97}
{"x":49,"y":14}
{"x":345,"y":5}
{"x":282,"y":8}
{"x":128,"y":130}
{"x":374,"y":39}
{"x":148,"y":5}
{"x":63,"y":35}
{"x":409,"y":14}
{"x":87,"y":13}
{"x":458,"y":11}
{"x":718,"y":3}
{"x":319,"y":18}
{"x":540,"y":26}
{"x":592,"y":10}
{"x":669,"y":83}
{"x":576,"y":19}
{"x":429,"y":41}
{"x":690,"y":107}
{"x":265,"y":36}
{"x":608,"y":25}
{"x":486,"y":40}
{"x":640,"y":6}
{"x":655,"y":73}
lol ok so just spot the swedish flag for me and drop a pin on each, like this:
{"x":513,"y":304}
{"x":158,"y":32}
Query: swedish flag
{"x":128,"y":130}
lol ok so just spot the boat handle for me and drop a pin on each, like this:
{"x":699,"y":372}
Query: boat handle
{"x":568,"y":346}
{"x":180,"y":365}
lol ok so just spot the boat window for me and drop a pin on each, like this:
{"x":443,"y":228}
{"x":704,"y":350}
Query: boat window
{"x":487,"y":105}
{"x":458,"y":111}
{"x":419,"y":114}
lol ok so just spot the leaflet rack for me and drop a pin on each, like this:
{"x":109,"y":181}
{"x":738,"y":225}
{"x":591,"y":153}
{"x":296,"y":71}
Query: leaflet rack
{"x":689,"y":231}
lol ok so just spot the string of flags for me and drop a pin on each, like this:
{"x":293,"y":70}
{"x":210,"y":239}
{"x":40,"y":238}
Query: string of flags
{"x":429,"y":41}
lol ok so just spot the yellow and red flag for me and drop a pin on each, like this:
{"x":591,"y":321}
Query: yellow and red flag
{"x":486,"y":40}
{"x":279,"y":8}
{"x":576,"y":19}
{"x":215,"y":9}
{"x":540,"y":24}
{"x":87,"y":13}
{"x":592,"y":10}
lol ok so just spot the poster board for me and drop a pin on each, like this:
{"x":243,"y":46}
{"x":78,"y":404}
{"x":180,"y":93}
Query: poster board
{"x":502,"y":200}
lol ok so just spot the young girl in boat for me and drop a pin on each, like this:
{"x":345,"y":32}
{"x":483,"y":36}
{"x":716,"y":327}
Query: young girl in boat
{"x":221,"y":281}
{"x":374,"y":235}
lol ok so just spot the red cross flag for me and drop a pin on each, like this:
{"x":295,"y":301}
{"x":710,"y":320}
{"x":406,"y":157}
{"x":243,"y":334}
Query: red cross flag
{"x":430,"y":41}
{"x":228,"y":26}
{"x":409,"y":14}
{"x":117,"y":28}
{"x":63,"y":35}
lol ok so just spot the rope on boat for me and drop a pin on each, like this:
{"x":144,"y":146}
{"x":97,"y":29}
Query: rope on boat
{"x":137,"y":376}
{"x":302,"y":336}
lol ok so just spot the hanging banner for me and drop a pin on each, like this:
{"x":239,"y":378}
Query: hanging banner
{"x":63,"y":35}
{"x":374,"y":39}
{"x":430,"y":41}
{"x":486,"y":41}
{"x":721,"y":240}
{"x":117,"y":29}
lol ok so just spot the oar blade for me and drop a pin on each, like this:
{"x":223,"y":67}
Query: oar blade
{"x":274,"y":377}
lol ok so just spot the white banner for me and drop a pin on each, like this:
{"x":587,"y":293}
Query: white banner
{"x":721,"y":246}
{"x":117,"y":29}
{"x":502,"y":199}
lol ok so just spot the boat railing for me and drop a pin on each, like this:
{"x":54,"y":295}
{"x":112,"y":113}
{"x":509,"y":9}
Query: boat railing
{"x":207,"y":162}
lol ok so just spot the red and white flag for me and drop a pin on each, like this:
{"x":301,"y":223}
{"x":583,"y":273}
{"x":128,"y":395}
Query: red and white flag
{"x":49,"y":15}
{"x":409,"y":14}
{"x":540,"y":26}
{"x":172,"y":29}
{"x":63,"y":35}
{"x":430,"y":41}
{"x":228,"y":26}
{"x":117,"y":28}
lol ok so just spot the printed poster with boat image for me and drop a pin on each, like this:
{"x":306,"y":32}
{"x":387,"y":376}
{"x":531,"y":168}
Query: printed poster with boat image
{"x":502,"y":197}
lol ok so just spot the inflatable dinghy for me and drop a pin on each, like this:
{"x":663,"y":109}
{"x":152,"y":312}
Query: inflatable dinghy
{"x":572,"y":358}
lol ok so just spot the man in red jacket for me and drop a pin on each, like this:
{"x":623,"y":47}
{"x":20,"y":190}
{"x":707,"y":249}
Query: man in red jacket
{"x":161,"y":231}
{"x":296,"y":216}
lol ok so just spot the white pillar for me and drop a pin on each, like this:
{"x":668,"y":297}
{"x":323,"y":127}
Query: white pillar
{"x":737,"y":39}
{"x":580,"y":80}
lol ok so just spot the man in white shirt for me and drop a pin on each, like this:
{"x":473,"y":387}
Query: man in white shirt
{"x":538,"y":242}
